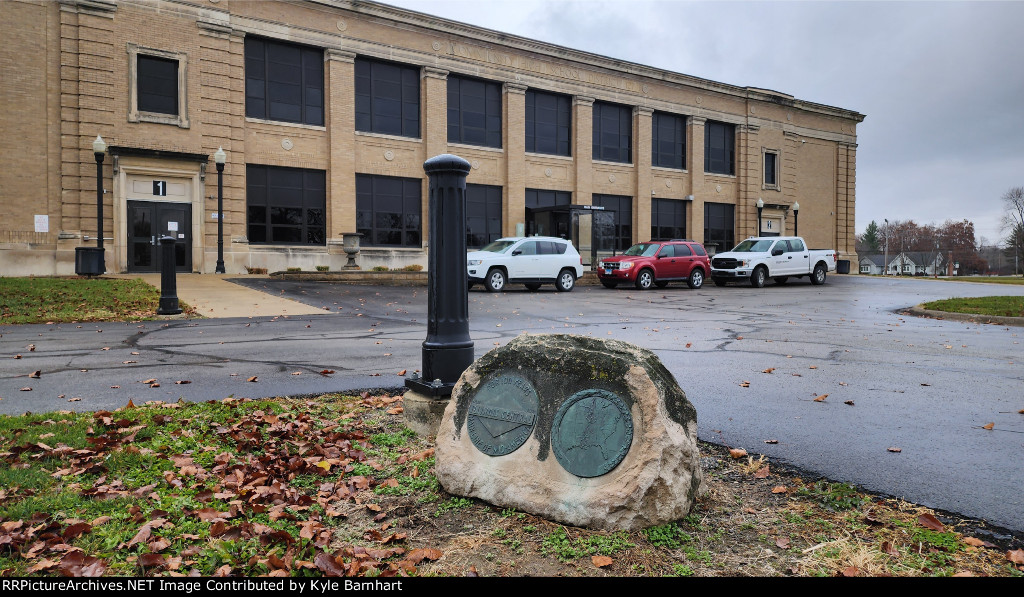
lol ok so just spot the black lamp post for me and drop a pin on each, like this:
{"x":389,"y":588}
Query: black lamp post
{"x":796,"y":218}
{"x":760,"y":207}
{"x":99,"y":147}
{"x":219,"y":158}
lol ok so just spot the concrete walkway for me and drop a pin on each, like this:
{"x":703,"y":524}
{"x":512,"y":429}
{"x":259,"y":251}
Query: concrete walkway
{"x":215,"y":295}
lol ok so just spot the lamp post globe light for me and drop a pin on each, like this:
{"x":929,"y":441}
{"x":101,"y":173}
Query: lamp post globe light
{"x":760,"y":207}
{"x":796,"y":218}
{"x":219,"y":158}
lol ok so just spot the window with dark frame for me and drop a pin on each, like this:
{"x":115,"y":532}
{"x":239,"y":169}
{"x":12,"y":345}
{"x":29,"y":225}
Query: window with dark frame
{"x":548,"y":123}
{"x":285,"y":206}
{"x":544,"y":198}
{"x":719,"y":226}
{"x":668,"y":219}
{"x":483,"y":215}
{"x":388,"y":211}
{"x":474,"y":111}
{"x":623,"y":208}
{"x":387,"y":98}
{"x":157,"y":84}
{"x":284,"y":81}
{"x":719,"y":148}
{"x":771,"y":168}
{"x":613,"y":132}
{"x":668,"y":140}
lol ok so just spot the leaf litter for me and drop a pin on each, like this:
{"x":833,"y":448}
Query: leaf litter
{"x":337,"y":486}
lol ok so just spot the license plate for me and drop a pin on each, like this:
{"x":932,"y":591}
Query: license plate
{"x":607,"y":272}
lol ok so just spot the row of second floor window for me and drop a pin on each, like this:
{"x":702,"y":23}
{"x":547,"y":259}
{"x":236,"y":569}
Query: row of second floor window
{"x":285,"y":82}
{"x":288,"y":206}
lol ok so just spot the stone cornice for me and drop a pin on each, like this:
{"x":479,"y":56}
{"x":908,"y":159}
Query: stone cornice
{"x":582,"y":100}
{"x":97,"y":8}
{"x":517,"y":88}
{"x":435,"y":73}
{"x":341,"y":55}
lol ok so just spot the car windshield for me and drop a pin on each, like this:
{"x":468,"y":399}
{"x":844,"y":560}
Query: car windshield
{"x":753,"y":246}
{"x":642,"y":250}
{"x":498,"y":246}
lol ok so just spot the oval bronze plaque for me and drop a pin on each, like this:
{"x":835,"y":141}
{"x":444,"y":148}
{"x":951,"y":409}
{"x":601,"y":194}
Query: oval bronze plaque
{"x":591,"y":433}
{"x":502,"y":415}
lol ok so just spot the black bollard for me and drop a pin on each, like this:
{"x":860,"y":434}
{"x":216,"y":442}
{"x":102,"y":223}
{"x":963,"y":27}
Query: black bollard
{"x":168,"y":279}
{"x":448,"y":349}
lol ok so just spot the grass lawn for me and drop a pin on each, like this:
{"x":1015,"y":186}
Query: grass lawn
{"x":337,"y":485}
{"x":1003,"y":306}
{"x":986,"y":279}
{"x":61,"y":300}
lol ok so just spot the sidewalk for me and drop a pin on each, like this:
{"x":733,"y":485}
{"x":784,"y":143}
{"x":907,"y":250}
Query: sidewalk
{"x":214,"y":295}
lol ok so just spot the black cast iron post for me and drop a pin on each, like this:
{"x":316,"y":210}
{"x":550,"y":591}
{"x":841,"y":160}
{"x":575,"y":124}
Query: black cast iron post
{"x":448,"y":349}
{"x":219,"y":158}
{"x":98,"y":148}
{"x":796,"y":219}
{"x":168,"y":281}
{"x":760,"y":207}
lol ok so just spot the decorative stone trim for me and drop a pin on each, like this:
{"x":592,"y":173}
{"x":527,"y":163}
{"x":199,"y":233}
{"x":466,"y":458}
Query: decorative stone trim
{"x":134,"y":114}
{"x":517,"y":88}
{"x":582,"y":100}
{"x":340,"y":55}
{"x":430,"y":72}
{"x":642,"y":111}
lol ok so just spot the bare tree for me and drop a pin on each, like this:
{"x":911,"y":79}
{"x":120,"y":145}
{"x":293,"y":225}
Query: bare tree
{"x":1013,"y":218}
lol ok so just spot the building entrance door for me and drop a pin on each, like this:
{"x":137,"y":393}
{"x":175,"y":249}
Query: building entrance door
{"x":150,"y":220}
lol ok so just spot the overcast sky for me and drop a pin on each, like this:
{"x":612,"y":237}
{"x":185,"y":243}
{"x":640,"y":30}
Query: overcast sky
{"x":941,"y":83}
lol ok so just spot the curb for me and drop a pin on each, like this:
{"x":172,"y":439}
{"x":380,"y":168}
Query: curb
{"x":389,"y":278}
{"x":920,"y":311}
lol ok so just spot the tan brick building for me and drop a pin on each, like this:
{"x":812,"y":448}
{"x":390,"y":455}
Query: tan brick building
{"x":327,"y":110}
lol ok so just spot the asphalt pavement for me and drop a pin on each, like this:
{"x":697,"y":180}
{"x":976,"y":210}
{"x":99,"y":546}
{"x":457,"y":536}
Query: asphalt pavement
{"x":752,"y":361}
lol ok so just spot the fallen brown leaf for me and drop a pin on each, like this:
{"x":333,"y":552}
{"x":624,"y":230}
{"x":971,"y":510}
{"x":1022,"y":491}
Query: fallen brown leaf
{"x":253,"y":379}
{"x":1016,"y":556}
{"x":35,"y":374}
{"x":989,"y":426}
{"x":851,"y":571}
{"x":737,"y":452}
{"x":779,"y":489}
{"x":850,"y":402}
{"x":894,"y":449}
{"x":782,"y":542}
{"x":768,"y":370}
{"x":601,"y":561}
{"x":771,"y":441}
{"x":762,"y":473}
{"x":930,"y":522}
{"x":402,"y":372}
{"x":25,"y":389}
{"x":821,"y":398}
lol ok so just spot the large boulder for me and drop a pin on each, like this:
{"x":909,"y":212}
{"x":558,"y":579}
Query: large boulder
{"x":587,"y":432}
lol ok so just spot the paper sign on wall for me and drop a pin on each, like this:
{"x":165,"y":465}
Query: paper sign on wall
{"x":172,"y":226}
{"x":42,"y":223}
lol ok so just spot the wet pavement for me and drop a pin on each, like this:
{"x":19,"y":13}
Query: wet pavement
{"x":751,"y":360}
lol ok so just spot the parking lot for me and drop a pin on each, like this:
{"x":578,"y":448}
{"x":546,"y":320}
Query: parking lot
{"x":752,"y":361}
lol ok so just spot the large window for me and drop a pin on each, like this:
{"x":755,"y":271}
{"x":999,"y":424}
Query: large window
{"x":542,"y":198}
{"x":387,"y":98}
{"x":548,"y":122}
{"x":483,"y":215}
{"x":719,"y":226}
{"x":388,"y":211}
{"x":474,"y":112}
{"x":623,"y":208}
{"x":613,"y":132}
{"x":284,"y":81}
{"x":668,"y":219}
{"x":668,"y":140}
{"x":285,"y":205}
{"x":719,"y":148}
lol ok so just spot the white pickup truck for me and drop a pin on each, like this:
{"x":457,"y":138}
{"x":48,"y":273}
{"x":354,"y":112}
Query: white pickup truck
{"x":778,"y":257}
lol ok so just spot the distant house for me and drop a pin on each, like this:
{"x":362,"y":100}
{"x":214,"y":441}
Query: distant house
{"x":910,"y":263}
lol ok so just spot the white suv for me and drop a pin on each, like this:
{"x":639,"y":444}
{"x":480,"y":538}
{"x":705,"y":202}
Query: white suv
{"x":532,"y":261}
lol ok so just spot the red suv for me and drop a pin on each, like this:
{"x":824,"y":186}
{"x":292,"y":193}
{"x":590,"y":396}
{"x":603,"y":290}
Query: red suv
{"x":656,"y":263}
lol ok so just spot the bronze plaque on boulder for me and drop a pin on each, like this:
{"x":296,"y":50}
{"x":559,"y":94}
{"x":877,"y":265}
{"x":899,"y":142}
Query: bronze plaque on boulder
{"x":502,"y":415}
{"x":591,"y":433}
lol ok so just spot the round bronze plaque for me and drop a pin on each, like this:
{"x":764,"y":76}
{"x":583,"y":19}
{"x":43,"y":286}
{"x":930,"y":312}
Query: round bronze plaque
{"x":502,"y":415}
{"x":591,"y":433}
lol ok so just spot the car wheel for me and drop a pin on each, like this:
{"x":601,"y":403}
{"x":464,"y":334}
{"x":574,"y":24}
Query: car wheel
{"x":718,"y":282}
{"x":661,"y":283}
{"x":818,"y":277}
{"x":757,"y":277}
{"x":495,"y":280}
{"x":781,"y":280}
{"x":566,"y":281}
{"x":645,"y":279}
{"x":696,"y":279}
